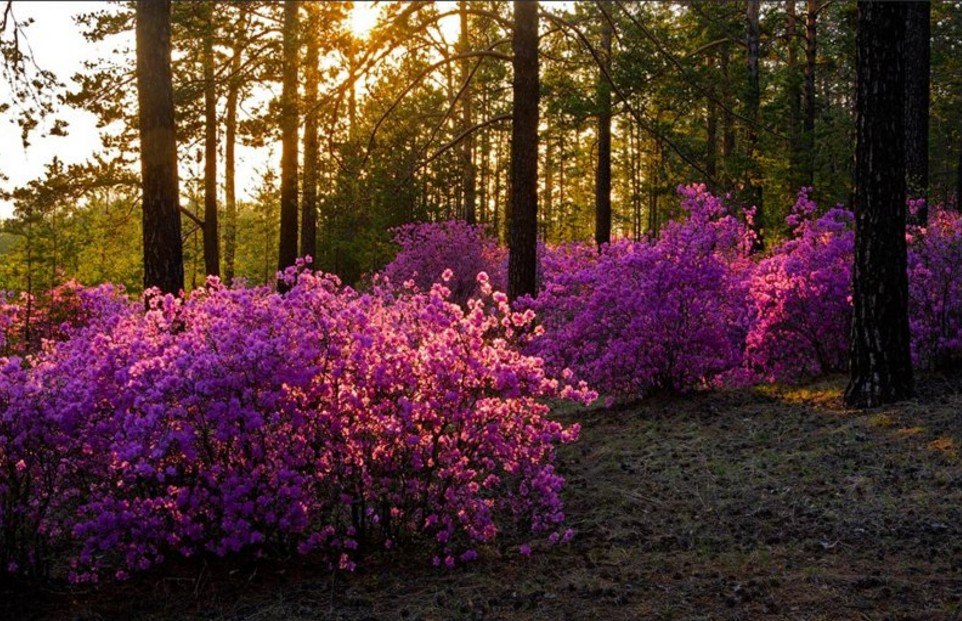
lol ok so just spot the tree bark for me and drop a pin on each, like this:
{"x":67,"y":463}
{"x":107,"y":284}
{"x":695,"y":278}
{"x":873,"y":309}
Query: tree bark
{"x":523,"y":213}
{"x":917,"y":71}
{"x":210,"y":228}
{"x":163,"y":247}
{"x":603,"y":170}
{"x":881,"y":365}
{"x":287,"y":244}
{"x":311,"y":145}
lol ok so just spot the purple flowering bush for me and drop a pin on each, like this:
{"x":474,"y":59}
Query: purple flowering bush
{"x":427,"y":249}
{"x":935,"y":287}
{"x":240,"y":420}
{"x":800,"y":297}
{"x":668,"y":313}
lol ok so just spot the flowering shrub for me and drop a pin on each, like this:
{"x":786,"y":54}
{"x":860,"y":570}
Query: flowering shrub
{"x":429,"y":248}
{"x":28,"y":321}
{"x":244,"y":420}
{"x":662,"y":314}
{"x":801,"y":297}
{"x":935,"y":288}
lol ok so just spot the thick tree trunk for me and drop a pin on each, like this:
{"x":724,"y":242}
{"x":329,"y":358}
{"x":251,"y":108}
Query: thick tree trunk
{"x":287,"y":245}
{"x":917,"y":71}
{"x":881,"y":365}
{"x":467,"y":121}
{"x":808,"y":89}
{"x":523,"y":213}
{"x":163,"y":248}
{"x":603,"y":170}
{"x":311,"y":148}
{"x":211,"y":230}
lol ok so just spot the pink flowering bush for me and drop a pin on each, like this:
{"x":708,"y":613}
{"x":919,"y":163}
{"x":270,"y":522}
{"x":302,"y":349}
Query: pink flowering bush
{"x":801,"y":297}
{"x":935,"y":287}
{"x":241,"y":420}
{"x":427,"y":249}
{"x":28,"y":321}
{"x":668,"y":313}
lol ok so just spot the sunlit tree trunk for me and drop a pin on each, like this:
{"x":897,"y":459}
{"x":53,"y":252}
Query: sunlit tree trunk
{"x":549,"y":166}
{"x":163,"y":247}
{"x":917,"y":72}
{"x":603,"y":170}
{"x":287,"y":245}
{"x":523,"y":213}
{"x":881,"y":365}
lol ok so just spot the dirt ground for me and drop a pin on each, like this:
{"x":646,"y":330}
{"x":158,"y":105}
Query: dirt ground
{"x":771,"y":503}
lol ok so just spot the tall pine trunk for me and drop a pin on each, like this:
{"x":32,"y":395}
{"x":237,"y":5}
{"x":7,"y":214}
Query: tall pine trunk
{"x":917,"y":72}
{"x":287,"y":244}
{"x":311,"y":148}
{"x":163,"y":247}
{"x":752,"y":102}
{"x":808,"y":90}
{"x":794,"y":96}
{"x":728,"y":119}
{"x":881,"y":365}
{"x":711,"y":126}
{"x":467,"y":121}
{"x":230,"y":165}
{"x":210,"y":228}
{"x":603,"y":170}
{"x":523,"y":211}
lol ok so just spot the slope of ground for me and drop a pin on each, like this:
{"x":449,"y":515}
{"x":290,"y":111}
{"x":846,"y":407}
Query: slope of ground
{"x":766,"y":503}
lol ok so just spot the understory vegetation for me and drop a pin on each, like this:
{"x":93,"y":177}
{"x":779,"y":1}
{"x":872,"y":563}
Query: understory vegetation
{"x":331,"y":422}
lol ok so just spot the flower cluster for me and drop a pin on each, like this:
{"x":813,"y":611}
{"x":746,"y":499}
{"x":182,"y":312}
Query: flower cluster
{"x":695,"y":307}
{"x":28,"y":321}
{"x":800,"y":297}
{"x":323,"y":421}
{"x":426,"y":249}
{"x":935,"y":288}
{"x":667,"y":313}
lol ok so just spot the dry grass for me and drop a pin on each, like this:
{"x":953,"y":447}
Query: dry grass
{"x":772,"y":503}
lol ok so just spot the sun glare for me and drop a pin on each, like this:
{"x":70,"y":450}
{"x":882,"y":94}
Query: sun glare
{"x":364,"y":16}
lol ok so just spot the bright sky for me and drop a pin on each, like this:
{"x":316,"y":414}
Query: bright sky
{"x":58,"y":46}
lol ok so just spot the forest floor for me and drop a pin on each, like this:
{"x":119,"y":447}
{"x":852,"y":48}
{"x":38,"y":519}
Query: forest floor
{"x":770,"y":503}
